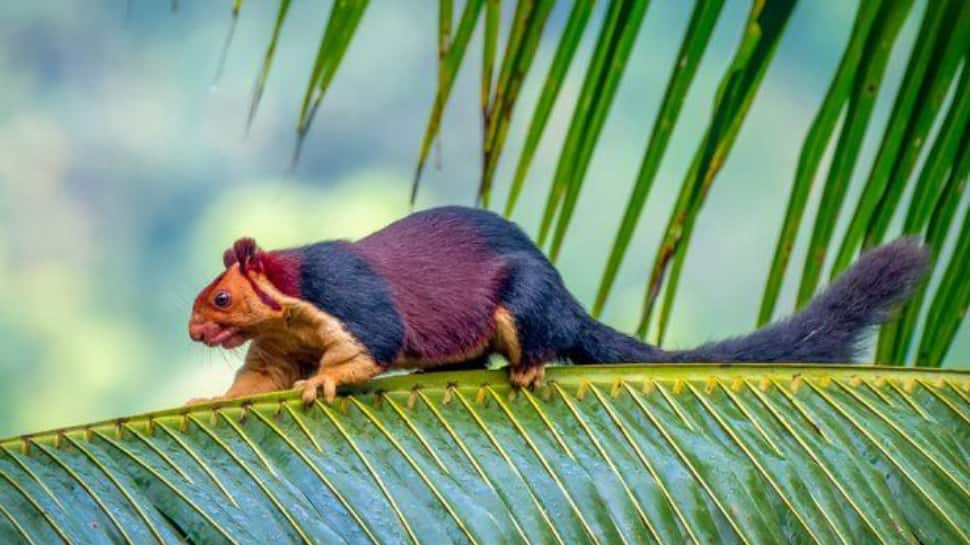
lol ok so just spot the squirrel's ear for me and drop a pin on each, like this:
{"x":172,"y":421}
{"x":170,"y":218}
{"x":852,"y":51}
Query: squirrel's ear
{"x":245,"y":252}
{"x":229,"y":258}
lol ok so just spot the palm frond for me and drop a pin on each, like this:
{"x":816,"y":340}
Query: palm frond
{"x":613,"y":46}
{"x":610,"y":454}
{"x":611,"y":73}
{"x":448,"y":71}
{"x":895,"y":336}
{"x":233,"y":21}
{"x":764,"y":28}
{"x":865,"y":90}
{"x":696,"y":38}
{"x":950,"y":53}
{"x":932,"y":65}
{"x":569,"y":41}
{"x":281,"y":13}
{"x":816,"y":142}
{"x":341,"y":25}
{"x":446,"y":10}
{"x":493,"y":13}
{"x":523,"y":42}
{"x":953,"y":294}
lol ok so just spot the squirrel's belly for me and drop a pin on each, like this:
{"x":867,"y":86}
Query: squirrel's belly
{"x":414,"y":361}
{"x":500,"y":336}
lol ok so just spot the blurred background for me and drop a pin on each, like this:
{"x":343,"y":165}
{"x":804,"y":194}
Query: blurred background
{"x":125,"y":171}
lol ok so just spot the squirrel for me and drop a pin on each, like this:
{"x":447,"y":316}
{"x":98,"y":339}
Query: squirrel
{"x":447,"y":287}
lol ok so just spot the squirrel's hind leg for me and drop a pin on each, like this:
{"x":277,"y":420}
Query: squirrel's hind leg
{"x":537,"y":320}
{"x":525,"y":370}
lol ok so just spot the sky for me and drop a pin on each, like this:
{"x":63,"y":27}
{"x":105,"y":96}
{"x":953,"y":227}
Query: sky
{"x":125,"y":170}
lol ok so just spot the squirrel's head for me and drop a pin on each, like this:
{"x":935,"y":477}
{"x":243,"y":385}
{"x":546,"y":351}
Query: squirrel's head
{"x":235,"y":306}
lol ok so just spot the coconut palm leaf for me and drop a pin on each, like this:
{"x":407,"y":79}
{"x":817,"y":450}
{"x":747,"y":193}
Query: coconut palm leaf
{"x":607,"y":454}
{"x":895,"y":336}
{"x":341,"y":25}
{"x":562,"y":60}
{"x":281,"y":13}
{"x":816,"y":142}
{"x":446,"y":10}
{"x":233,"y":21}
{"x":944,"y":39}
{"x":952,"y":298}
{"x":951,"y":54}
{"x":448,"y":70}
{"x":613,"y":46}
{"x":859,"y":111}
{"x":493,"y":14}
{"x":523,"y":42}
{"x":692,"y":49}
{"x":631,"y":16}
{"x":764,"y":28}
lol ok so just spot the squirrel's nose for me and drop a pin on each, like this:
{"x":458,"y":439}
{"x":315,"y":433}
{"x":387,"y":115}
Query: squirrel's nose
{"x":196,"y":332}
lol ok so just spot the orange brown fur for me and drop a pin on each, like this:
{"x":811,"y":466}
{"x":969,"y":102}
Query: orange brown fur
{"x":506,"y":340}
{"x":297,"y":345}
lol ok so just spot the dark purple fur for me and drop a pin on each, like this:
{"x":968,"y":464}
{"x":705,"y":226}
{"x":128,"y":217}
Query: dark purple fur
{"x":427,"y":286}
{"x":445,"y":280}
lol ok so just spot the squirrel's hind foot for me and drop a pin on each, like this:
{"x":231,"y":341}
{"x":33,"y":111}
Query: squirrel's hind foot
{"x":527,"y":376}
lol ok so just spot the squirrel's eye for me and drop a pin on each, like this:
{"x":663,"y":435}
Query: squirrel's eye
{"x":222,"y":299}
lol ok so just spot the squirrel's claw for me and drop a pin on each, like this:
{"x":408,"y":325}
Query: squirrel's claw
{"x":314,"y":384}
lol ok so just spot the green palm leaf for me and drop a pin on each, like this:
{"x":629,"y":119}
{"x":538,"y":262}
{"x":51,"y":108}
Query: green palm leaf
{"x":917,"y":103}
{"x":448,"y":70}
{"x":692,"y":49}
{"x":764,"y":28}
{"x":523,"y":42}
{"x":608,"y":80}
{"x":816,"y":141}
{"x":952,"y":297}
{"x":345,"y":15}
{"x":493,"y":14}
{"x":572,"y":34}
{"x":613,"y":46}
{"x":929,"y":197}
{"x":284,"y":8}
{"x":861,"y":101}
{"x":608,"y":454}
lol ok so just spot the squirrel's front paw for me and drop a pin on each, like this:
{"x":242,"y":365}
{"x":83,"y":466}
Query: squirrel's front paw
{"x":314,"y":384}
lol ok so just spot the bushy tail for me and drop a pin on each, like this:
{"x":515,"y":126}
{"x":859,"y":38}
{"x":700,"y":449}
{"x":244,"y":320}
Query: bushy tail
{"x":830,"y":328}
